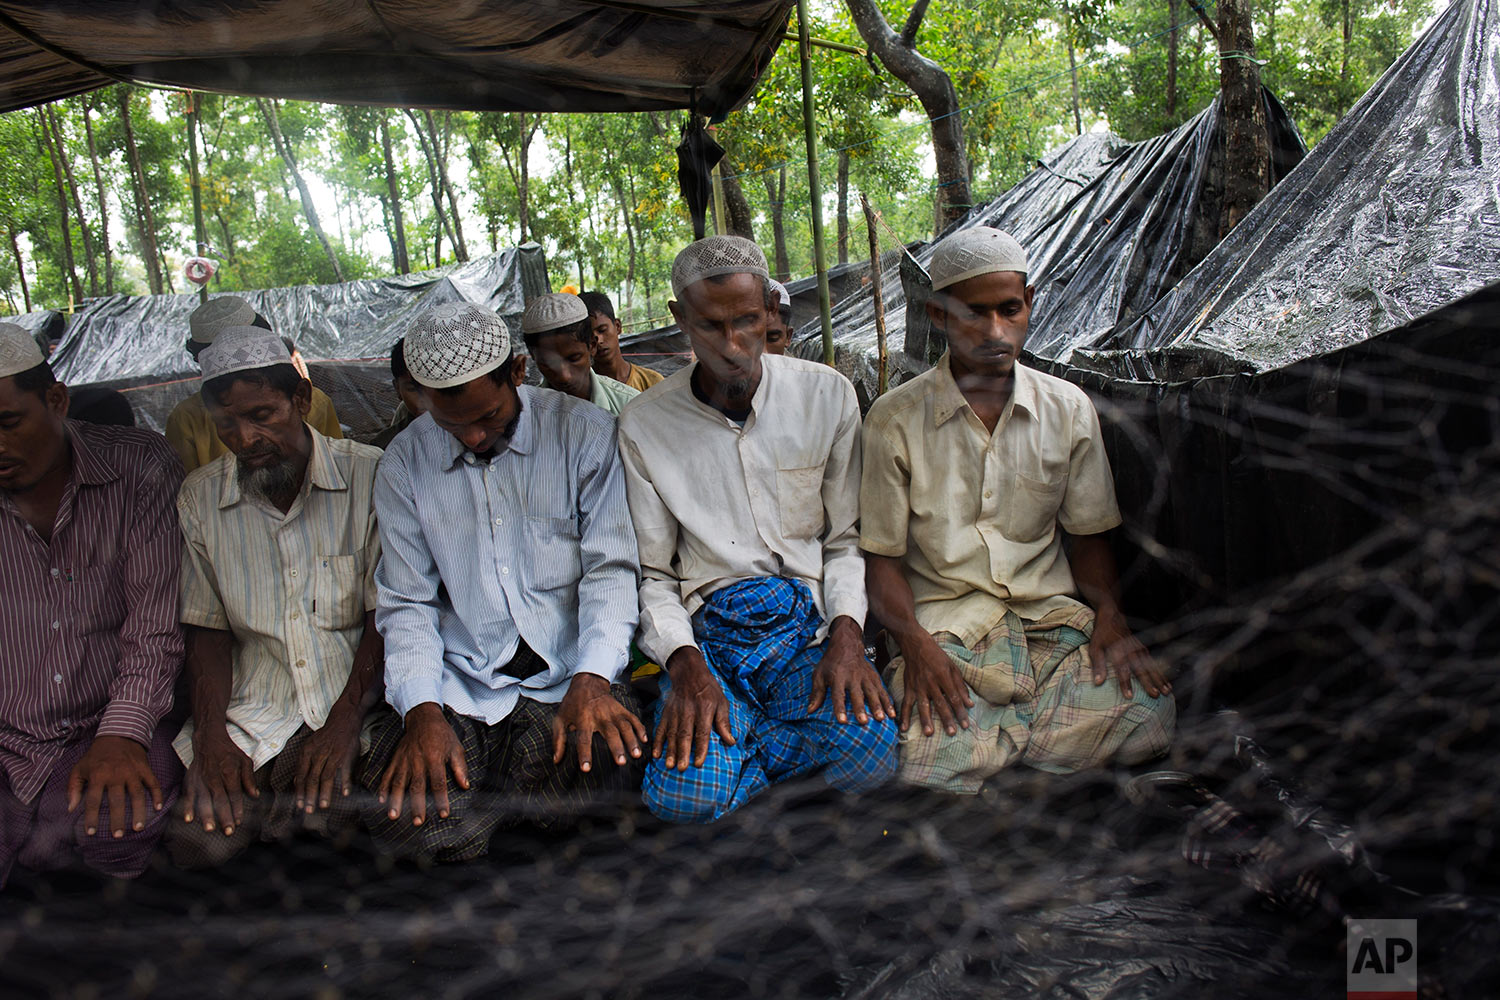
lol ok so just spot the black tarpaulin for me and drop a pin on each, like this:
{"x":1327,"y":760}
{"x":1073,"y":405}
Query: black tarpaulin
{"x":495,"y":55}
{"x":1394,"y":214}
{"x":1108,"y":226}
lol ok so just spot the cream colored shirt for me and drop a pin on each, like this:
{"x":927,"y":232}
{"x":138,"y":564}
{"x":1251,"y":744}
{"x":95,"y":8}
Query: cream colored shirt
{"x":974,"y":516}
{"x":190,"y":430}
{"x":293,"y":589}
{"x":714,"y":502}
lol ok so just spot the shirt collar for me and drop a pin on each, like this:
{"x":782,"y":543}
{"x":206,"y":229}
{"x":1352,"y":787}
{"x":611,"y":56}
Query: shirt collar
{"x":90,"y":467}
{"x":521,"y":442}
{"x":948,"y":399}
{"x":322,"y":472}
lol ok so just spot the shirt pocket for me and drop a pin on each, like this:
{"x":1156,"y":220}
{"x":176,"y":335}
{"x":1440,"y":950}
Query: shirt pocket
{"x":98,"y":597}
{"x":338,"y":592}
{"x":1031,"y":507}
{"x":799,"y":493}
{"x":552,"y":552}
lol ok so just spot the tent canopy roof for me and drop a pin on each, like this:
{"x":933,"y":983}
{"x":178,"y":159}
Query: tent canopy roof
{"x":484,"y":55}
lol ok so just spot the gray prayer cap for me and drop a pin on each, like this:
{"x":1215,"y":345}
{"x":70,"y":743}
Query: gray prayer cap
{"x":242,"y":348}
{"x":19,"y":351}
{"x":969,"y":253}
{"x":782,"y":294}
{"x":553,"y":311}
{"x":716,"y":255}
{"x":456,"y":342}
{"x":217,"y":315}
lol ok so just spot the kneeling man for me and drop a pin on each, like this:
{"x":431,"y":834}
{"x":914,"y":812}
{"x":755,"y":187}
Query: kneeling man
{"x":278,"y":595}
{"x":507,"y":599}
{"x":743,"y":473}
{"x":973,"y":472}
{"x":89,"y":641}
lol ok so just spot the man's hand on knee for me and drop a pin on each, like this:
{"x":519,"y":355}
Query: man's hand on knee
{"x":588,"y":709}
{"x":1114,"y":647}
{"x":113,"y":766}
{"x":326,"y":764}
{"x":845,"y":676}
{"x":933,"y":686}
{"x":694,"y":710}
{"x":428,"y":749}
{"x":219,"y":778}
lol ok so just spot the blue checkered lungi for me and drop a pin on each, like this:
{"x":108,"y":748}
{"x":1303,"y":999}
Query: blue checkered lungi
{"x":755,"y":636}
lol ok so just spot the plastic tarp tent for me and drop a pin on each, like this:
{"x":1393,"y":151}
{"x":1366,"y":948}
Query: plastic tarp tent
{"x":1108,"y":227}
{"x":497,"y":55}
{"x":136,"y":342}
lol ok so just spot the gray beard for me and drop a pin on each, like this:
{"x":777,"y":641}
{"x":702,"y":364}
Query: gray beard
{"x":275,"y":484}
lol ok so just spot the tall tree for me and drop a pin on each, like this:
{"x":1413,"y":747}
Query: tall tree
{"x":1247,"y":154}
{"x":47,"y":143}
{"x":288,"y":157}
{"x":428,"y":143}
{"x":89,"y":106}
{"x":393,"y":194}
{"x":146,"y":218}
{"x":898,"y":53}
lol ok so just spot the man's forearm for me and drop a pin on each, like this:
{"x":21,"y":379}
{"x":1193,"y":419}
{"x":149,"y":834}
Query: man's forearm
{"x":1093,"y":564}
{"x":367,"y":675}
{"x":210,"y":666}
{"x":891,"y":599}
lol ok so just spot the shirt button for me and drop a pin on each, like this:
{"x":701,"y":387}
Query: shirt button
{"x":56,"y":573}
{"x":274,"y":745}
{"x":296,"y":615}
{"x":499,"y":521}
{"x":505,"y":571}
{"x":294,"y":572}
{"x":301,"y":663}
{"x":57,"y":678}
{"x":988,"y":494}
{"x":56,"y":625}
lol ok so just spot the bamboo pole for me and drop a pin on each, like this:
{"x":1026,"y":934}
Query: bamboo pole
{"x":820,"y":258}
{"x":871,"y":217}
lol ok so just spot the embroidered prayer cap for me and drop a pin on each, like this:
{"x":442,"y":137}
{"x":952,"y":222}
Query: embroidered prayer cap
{"x":972,"y":252}
{"x":241,"y":348}
{"x":456,"y":342}
{"x":18,"y":350}
{"x":553,"y":311}
{"x":217,"y":315}
{"x":781,"y":293}
{"x":716,"y":255}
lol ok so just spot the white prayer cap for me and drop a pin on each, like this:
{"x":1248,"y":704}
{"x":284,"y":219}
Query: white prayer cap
{"x":553,"y":311}
{"x":19,"y":351}
{"x":969,"y":253}
{"x":217,"y":315}
{"x":241,"y":348}
{"x":716,"y":255}
{"x":781,"y":293}
{"x":456,"y":342}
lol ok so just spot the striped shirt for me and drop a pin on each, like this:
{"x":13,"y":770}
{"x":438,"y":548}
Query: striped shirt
{"x":535,"y":543}
{"x":191,"y":433}
{"x":88,"y":623}
{"x":292,"y":588}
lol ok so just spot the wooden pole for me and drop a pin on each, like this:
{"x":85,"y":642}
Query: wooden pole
{"x":820,"y":258}
{"x":199,"y":232}
{"x":883,"y":376}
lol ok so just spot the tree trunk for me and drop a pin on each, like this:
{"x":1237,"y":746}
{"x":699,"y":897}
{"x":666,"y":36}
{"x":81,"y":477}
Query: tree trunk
{"x":430,"y":155}
{"x":15,"y":249}
{"x":1247,"y":154}
{"x":523,"y":184}
{"x":736,"y":205}
{"x":393,"y":189}
{"x":1072,"y":67}
{"x":614,"y":181}
{"x":776,"y":199}
{"x":273,"y":123}
{"x":843,"y":184}
{"x":146,"y":220}
{"x":933,"y":88}
{"x":90,"y":260}
{"x":1348,"y":35}
{"x":50,"y":144}
{"x":88,"y":129}
{"x":568,"y":167}
{"x":440,"y":150}
{"x":1171,"y":95}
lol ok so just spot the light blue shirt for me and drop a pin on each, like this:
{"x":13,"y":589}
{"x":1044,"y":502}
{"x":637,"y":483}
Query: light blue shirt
{"x":536,"y":543}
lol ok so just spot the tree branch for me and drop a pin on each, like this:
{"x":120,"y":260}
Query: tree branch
{"x":1213,"y":29}
{"x":913,"y":23}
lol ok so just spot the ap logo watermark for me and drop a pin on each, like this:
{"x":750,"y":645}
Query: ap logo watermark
{"x":1381,"y":962}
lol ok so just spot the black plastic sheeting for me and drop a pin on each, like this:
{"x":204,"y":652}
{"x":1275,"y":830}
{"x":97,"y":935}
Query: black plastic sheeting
{"x":131,"y":338}
{"x":1394,"y":214}
{"x":483,"y":55}
{"x":1108,"y":226}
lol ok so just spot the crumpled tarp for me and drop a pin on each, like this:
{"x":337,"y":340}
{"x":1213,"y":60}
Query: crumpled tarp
{"x":1108,"y":226}
{"x":122,"y":338}
{"x":1394,"y":214}
{"x":490,"y":55}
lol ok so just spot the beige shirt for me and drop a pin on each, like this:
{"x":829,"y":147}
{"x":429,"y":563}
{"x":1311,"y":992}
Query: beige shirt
{"x":714,"y":503}
{"x":190,"y":430}
{"x":293,"y":588}
{"x":974,"y":516}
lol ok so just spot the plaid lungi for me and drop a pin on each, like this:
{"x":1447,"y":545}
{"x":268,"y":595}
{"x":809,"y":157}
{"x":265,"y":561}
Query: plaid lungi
{"x":1035,"y":703}
{"x":511,"y":780}
{"x":755,"y":637}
